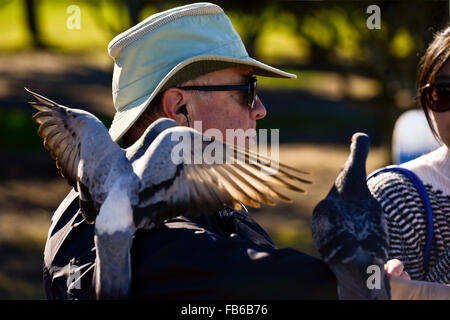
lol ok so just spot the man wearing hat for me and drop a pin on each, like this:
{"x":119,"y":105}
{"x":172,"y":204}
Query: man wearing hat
{"x":188,"y":64}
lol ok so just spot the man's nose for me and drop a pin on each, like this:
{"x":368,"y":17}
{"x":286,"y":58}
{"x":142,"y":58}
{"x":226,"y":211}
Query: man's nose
{"x":258,"y":111}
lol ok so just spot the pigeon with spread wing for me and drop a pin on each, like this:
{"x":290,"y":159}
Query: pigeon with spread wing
{"x":156,"y":178}
{"x":350,"y":232}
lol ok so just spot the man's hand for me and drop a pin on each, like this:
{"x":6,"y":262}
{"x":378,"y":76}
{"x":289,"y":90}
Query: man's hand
{"x":395,"y":269}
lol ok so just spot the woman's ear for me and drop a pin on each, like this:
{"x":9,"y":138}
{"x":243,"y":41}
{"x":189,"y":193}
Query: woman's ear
{"x":173,"y":103}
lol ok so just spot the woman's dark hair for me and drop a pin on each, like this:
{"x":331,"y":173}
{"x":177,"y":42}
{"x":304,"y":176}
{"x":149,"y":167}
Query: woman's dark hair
{"x":431,"y":63}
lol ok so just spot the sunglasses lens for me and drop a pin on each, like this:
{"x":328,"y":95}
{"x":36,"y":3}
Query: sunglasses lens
{"x":251,"y":93}
{"x":439,"y":98}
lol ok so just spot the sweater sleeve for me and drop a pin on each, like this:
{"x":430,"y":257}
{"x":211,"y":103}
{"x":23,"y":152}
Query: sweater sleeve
{"x":440,"y":272}
{"x":405,"y":218}
{"x":418,"y":290}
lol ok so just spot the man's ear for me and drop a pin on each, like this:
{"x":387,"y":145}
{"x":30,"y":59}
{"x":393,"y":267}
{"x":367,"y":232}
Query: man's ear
{"x":173,"y":104}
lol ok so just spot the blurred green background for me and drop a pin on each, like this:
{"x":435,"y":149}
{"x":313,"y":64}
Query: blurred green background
{"x":350,"y":79}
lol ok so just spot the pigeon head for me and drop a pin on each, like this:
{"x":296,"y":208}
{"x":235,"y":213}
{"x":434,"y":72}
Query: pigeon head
{"x":359,"y":147}
{"x":352,"y":178}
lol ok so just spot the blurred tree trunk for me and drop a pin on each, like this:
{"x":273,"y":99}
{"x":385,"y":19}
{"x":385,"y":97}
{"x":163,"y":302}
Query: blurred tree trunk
{"x":134,"y":9}
{"x":32,"y":22}
{"x":251,"y":44}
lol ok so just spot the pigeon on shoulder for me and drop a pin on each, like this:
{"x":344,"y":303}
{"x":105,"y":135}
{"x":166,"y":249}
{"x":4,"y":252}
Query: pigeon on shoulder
{"x":155,"y":179}
{"x":350,"y":232}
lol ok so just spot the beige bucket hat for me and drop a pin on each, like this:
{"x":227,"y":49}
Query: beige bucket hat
{"x":169,"y":48}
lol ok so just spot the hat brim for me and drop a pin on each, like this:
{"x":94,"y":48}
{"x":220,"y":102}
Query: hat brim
{"x":186,"y":70}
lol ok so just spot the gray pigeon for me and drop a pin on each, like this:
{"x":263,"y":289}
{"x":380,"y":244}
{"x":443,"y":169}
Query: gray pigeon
{"x":123,"y":190}
{"x":350,"y":232}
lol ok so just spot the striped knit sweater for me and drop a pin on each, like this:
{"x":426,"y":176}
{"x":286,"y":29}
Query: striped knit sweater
{"x":406,"y":219}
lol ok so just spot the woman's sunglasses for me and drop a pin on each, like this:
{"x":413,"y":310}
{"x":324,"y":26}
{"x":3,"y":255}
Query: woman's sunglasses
{"x":437,"y":96}
{"x":249,"y":88}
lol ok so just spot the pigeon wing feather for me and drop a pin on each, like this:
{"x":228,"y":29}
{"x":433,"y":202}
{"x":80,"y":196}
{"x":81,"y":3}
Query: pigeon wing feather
{"x":73,"y":138}
{"x":174,"y":184}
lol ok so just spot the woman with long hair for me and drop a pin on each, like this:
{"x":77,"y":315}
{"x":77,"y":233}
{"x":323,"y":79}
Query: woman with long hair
{"x":418,"y":221}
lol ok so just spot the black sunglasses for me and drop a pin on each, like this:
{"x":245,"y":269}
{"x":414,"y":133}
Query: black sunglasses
{"x":437,"y":96}
{"x":250,"y":89}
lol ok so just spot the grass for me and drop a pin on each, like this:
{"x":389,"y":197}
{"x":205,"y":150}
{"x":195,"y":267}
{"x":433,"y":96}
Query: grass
{"x":288,"y":237}
{"x":53,"y":25}
{"x":12,"y":26}
{"x":21,"y":273}
{"x":18,"y":131}
{"x":21,"y":269}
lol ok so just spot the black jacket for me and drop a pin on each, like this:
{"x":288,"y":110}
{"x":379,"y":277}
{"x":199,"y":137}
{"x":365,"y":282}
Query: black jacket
{"x":222,"y":256}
